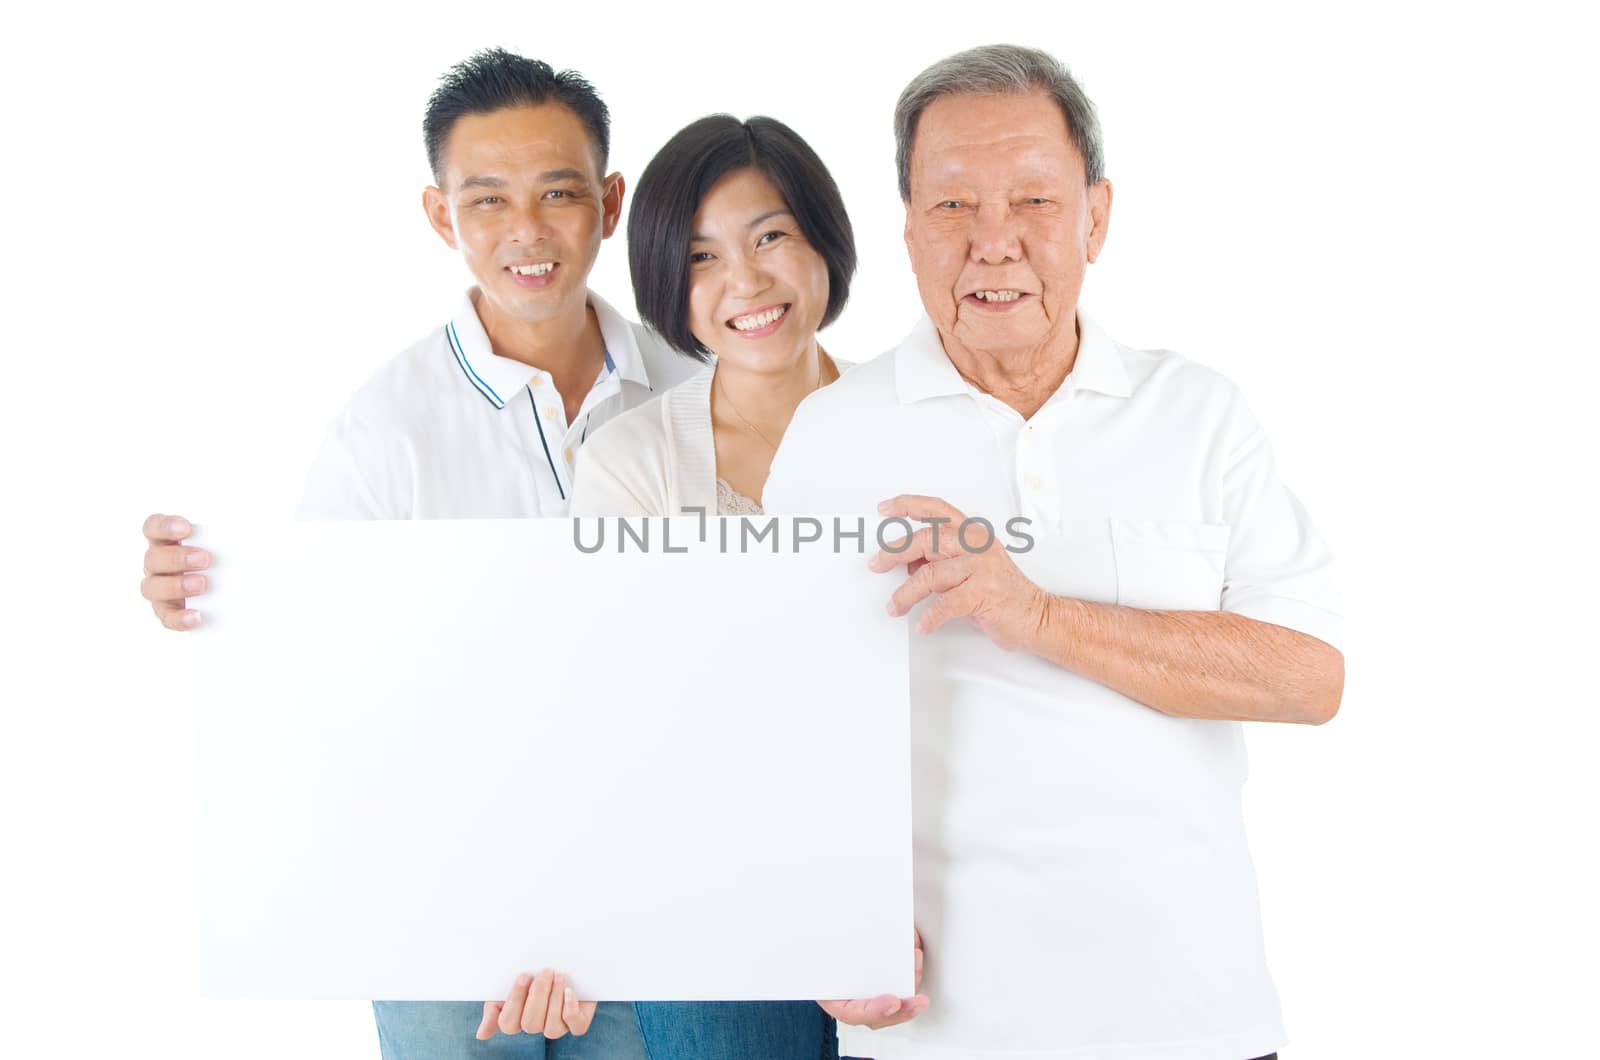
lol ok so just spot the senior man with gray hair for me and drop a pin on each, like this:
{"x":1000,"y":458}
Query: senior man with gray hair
{"x":1083,"y":885}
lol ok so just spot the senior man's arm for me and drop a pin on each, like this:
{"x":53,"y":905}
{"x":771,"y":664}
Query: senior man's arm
{"x":1194,"y":664}
{"x":1191,"y":664}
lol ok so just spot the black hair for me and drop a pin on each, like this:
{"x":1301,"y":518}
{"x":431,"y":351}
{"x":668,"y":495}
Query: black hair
{"x":493,"y":79}
{"x":677,"y":179}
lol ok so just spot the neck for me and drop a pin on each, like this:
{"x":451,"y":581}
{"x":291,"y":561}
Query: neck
{"x":1023,"y":377}
{"x":768,"y":399}
{"x":558,"y":344}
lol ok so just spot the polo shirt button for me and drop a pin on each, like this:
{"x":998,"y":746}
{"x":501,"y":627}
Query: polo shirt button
{"x":549,"y":412}
{"x":569,"y":456}
{"x":1034,"y":482}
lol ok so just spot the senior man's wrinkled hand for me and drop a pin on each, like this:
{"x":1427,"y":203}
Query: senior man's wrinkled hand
{"x":980,"y":583}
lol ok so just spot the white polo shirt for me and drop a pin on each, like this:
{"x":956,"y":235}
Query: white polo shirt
{"x":450,"y":430}
{"x":1083,"y":884}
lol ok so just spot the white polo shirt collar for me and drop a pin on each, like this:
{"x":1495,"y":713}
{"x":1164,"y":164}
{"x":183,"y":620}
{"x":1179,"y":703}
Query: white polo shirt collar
{"x":923,"y":370}
{"x":622,"y":347}
{"x":499,"y":378}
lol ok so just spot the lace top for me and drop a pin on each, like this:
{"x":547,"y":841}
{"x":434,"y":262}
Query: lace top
{"x":731,"y":502}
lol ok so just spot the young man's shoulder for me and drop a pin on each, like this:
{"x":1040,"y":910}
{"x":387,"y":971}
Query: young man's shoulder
{"x":406,"y":388}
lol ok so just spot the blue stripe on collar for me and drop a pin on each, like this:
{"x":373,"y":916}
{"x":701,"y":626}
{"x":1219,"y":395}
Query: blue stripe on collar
{"x":466,"y":368}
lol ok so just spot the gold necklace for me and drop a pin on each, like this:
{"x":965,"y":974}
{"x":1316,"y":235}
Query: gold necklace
{"x":753,"y":427}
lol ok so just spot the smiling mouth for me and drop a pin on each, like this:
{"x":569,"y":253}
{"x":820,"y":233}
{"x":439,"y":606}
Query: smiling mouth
{"x":999,"y":296}
{"x":542,"y":268}
{"x":763,"y":319}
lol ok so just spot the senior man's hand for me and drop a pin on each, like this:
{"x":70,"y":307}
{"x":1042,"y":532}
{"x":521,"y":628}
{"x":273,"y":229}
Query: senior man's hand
{"x":538,"y":1004}
{"x":885,"y":1010}
{"x":171,"y":571}
{"x":976,"y":580}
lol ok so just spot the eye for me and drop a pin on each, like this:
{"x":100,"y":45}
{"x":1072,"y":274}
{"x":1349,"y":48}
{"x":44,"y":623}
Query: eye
{"x":1036,"y":201}
{"x":555,"y":193}
{"x":698,"y":256}
{"x":488,"y":200}
{"x":951,"y":204}
{"x":769,"y":237}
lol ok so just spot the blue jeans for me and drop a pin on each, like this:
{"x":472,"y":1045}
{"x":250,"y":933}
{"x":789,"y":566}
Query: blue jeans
{"x":645,"y":1030}
{"x":737,"y":1030}
{"x":447,"y":1030}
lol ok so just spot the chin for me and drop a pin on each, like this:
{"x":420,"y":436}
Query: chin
{"x":534,"y":305}
{"x":760,"y":357}
{"x":1028,"y":331}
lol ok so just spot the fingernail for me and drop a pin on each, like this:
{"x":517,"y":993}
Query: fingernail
{"x":191,"y":619}
{"x":197,"y":559}
{"x":889,"y":607}
{"x":194,"y":583}
{"x":177,"y":528}
{"x":524,"y":979}
{"x":567,"y":995}
{"x":883,"y":506}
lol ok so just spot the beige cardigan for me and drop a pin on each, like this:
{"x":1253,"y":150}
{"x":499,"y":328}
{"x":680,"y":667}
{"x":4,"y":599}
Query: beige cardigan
{"x":655,"y":459}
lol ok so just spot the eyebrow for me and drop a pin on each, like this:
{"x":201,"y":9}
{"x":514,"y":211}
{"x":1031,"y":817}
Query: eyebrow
{"x":696,"y":237}
{"x":548,"y":177}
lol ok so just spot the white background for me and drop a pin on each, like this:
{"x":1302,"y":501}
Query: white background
{"x":1380,"y":223}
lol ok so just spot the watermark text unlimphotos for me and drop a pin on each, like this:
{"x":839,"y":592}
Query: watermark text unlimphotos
{"x":746,"y":534}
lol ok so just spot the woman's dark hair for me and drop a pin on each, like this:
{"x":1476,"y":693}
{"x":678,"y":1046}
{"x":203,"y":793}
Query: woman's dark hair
{"x":676,"y":181}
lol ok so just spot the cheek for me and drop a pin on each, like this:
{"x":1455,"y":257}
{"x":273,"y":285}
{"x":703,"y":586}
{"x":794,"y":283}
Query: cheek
{"x":702,"y":305}
{"x":477,"y":236}
{"x":938,"y":257}
{"x":816,"y":284}
{"x":578,"y":226}
{"x":1055,"y":252}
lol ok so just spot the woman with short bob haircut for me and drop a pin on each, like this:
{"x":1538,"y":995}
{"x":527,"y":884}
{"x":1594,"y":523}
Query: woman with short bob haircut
{"x":740,"y":251}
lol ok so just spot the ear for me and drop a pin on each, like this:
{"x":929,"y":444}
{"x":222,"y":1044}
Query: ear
{"x":611,"y":196}
{"x":1099,"y":216}
{"x":906,"y":232}
{"x":437,"y":207}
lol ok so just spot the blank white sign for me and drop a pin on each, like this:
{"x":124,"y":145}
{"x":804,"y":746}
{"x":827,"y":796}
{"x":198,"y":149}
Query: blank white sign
{"x":436,"y":754}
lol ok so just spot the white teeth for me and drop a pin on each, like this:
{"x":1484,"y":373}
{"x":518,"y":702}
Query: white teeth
{"x":998,"y":296}
{"x":533,"y":270}
{"x":760,"y":320}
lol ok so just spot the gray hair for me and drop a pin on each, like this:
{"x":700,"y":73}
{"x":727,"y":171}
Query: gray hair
{"x":995,"y":69}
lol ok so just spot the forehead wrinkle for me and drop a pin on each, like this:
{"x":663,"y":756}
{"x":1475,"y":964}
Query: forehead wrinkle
{"x":1023,"y":165}
{"x":996,"y":142}
{"x":510,"y":154}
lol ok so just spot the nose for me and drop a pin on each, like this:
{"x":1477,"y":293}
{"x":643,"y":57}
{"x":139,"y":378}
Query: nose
{"x":995,"y":240}
{"x":529,"y":225}
{"x":746,"y":277}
